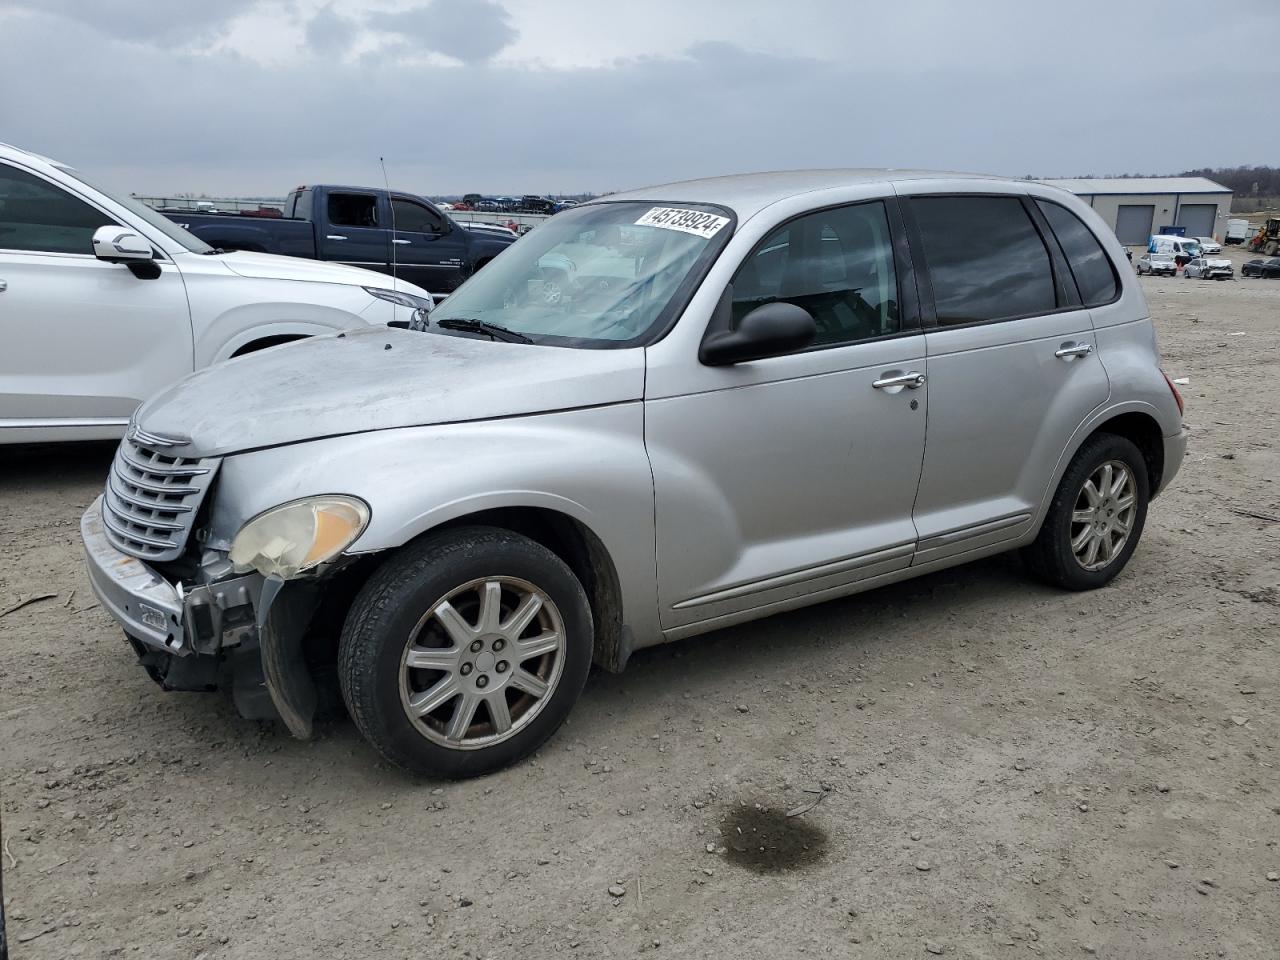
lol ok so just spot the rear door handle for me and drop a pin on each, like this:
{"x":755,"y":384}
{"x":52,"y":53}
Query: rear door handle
{"x":4,"y":285}
{"x":912,"y":380}
{"x":1069,"y":351}
{"x":334,"y":236}
{"x":402,"y":241}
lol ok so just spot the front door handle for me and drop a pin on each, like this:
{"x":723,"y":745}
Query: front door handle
{"x":334,"y":236}
{"x":4,"y":285}
{"x":1069,"y":351}
{"x":912,"y":380}
{"x":402,"y":241}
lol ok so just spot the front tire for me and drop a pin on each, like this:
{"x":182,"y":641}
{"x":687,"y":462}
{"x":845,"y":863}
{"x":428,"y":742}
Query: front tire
{"x":465,"y":651}
{"x":1096,"y":516}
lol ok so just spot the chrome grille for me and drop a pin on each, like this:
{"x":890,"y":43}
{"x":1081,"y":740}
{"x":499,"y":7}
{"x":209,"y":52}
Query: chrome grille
{"x":151,"y":500}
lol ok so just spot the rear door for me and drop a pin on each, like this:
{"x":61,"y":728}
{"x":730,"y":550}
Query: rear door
{"x":429,"y":250}
{"x":1012,"y":369}
{"x":351,"y":229}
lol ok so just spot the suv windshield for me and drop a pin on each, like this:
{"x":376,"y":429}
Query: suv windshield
{"x":140,"y":210}
{"x":604,"y":275}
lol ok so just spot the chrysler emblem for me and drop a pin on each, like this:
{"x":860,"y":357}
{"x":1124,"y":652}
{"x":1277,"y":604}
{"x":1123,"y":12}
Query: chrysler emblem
{"x":145,"y":439}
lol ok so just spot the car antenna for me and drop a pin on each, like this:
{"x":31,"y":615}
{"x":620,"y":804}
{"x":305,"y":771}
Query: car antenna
{"x":390,"y":204}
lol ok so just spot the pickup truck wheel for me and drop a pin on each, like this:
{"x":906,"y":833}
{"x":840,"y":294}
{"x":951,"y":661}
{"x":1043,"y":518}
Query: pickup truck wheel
{"x":464,"y":652}
{"x":1096,"y":516}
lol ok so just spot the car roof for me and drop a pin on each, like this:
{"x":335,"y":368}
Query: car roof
{"x":749,"y":193}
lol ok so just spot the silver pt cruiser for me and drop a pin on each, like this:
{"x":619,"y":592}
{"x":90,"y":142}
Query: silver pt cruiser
{"x":656,"y":415}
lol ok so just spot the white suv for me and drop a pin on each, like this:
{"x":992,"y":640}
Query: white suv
{"x":104,"y":302}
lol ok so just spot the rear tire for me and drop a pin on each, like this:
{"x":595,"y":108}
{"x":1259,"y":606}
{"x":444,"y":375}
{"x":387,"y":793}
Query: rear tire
{"x":1096,"y":516}
{"x":441,"y":620}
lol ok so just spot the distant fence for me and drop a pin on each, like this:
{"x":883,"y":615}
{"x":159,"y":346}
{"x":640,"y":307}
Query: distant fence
{"x":272,"y":207}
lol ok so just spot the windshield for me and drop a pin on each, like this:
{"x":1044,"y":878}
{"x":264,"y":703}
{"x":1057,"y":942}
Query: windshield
{"x":143,"y":212}
{"x":603,"y":275}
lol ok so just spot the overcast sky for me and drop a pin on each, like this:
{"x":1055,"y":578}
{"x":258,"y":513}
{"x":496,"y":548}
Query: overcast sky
{"x":244,"y":97}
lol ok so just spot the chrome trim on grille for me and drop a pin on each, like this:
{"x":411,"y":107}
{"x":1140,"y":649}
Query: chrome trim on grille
{"x":151,"y":500}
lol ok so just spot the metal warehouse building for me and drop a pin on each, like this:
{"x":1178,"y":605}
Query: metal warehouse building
{"x":1136,"y":207}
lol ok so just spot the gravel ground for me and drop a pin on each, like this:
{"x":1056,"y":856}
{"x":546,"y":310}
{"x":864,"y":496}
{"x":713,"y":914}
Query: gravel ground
{"x":986,"y":766}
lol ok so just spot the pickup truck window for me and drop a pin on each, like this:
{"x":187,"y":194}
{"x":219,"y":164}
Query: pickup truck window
{"x":38,"y":216}
{"x":414,"y":217}
{"x":353,"y":209}
{"x":602,"y":275}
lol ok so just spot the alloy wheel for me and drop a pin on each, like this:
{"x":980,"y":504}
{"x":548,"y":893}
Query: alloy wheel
{"x":1103,"y":517}
{"x":482,"y":662}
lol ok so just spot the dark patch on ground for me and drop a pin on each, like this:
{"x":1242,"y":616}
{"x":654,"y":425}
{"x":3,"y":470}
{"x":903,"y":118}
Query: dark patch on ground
{"x":768,"y":841}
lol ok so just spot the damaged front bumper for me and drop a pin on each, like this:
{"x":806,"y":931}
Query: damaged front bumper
{"x":194,"y":636}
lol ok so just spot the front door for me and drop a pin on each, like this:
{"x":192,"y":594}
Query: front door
{"x":428,"y":249}
{"x":82,"y":341}
{"x":794,"y":475}
{"x":1012,"y":369}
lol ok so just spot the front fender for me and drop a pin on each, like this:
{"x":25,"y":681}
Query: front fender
{"x":587,"y":464}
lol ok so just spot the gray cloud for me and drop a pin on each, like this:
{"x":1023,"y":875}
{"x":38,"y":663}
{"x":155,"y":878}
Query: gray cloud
{"x":705,"y":109}
{"x":330,"y":33}
{"x":468,"y":30}
{"x":170,"y":21}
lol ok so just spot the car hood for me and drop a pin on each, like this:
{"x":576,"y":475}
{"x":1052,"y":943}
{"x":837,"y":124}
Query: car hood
{"x":269,"y":266}
{"x":380,"y":379}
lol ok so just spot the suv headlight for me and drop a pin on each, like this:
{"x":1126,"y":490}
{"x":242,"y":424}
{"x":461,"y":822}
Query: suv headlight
{"x":401,"y":299}
{"x":293,"y":537}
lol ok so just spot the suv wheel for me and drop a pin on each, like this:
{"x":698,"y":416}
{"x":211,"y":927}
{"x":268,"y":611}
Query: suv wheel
{"x":465,"y":651}
{"x":1096,"y":516}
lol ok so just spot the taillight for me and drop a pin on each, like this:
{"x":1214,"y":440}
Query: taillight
{"x":1174,"y":390}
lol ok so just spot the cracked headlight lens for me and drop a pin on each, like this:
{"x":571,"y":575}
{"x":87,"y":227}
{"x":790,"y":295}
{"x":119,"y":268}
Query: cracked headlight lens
{"x":297,"y":536}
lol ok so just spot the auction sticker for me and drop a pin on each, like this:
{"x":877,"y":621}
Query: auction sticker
{"x":687,"y":221}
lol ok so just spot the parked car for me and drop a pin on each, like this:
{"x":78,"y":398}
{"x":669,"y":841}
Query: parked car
{"x":1269,"y":268}
{"x":534,"y":204}
{"x":1209,"y":268}
{"x":1237,"y":231}
{"x":1158,"y":264}
{"x":753,"y":417}
{"x":1208,"y":245}
{"x":103,"y":302}
{"x":364,"y":227}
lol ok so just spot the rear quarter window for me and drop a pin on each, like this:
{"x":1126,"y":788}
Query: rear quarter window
{"x":1095,"y":276}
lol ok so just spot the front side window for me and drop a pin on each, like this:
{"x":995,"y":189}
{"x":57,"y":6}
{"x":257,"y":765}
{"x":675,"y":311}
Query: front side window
{"x":35,"y":215}
{"x":353,"y":210}
{"x":414,"y":217}
{"x":605,"y":274}
{"x":837,"y":264}
{"x":1090,"y":265}
{"x":985,"y":258}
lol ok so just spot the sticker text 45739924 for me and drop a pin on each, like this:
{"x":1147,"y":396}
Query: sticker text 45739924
{"x":698,"y":223}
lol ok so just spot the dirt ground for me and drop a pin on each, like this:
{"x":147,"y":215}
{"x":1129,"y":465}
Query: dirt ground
{"x":998,"y":768}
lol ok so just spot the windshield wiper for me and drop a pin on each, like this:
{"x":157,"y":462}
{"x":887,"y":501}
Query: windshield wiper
{"x":492,"y":330}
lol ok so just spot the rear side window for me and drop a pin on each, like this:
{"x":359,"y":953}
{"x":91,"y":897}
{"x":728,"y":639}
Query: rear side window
{"x":353,"y":210}
{"x":985,"y":258}
{"x":35,"y":215}
{"x":1090,"y":265}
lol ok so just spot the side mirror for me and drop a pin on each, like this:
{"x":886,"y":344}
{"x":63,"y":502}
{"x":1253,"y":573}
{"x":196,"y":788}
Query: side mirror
{"x":769,"y":330}
{"x":120,"y":245}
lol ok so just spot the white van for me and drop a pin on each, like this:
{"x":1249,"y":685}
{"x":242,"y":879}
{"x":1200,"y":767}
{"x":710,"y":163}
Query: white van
{"x":1182,"y":248}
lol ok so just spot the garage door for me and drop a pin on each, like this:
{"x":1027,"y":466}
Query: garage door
{"x":1198,"y":218}
{"x":1133,"y":222}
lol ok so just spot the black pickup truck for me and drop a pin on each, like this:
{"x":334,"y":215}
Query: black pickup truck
{"x":354,"y":225}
